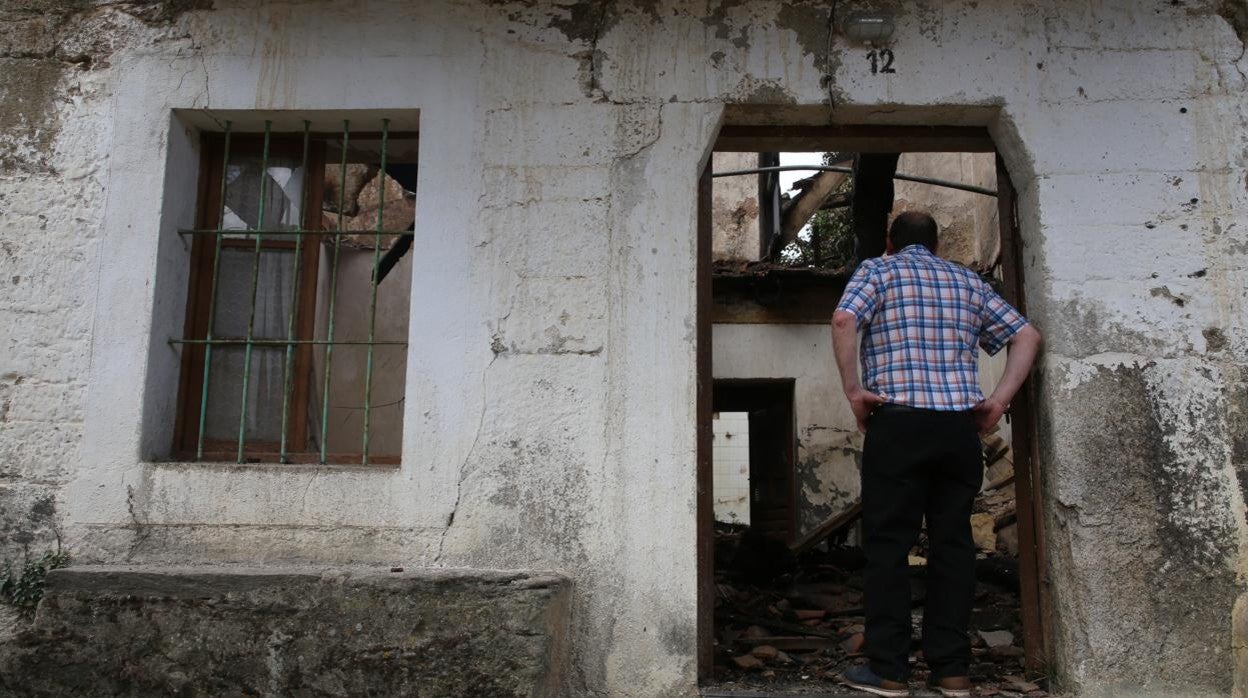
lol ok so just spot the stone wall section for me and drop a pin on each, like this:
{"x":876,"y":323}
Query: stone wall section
{"x":55,"y":86}
{"x":209,"y":631}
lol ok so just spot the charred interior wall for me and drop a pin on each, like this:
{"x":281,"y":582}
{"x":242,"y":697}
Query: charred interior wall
{"x":550,"y":419}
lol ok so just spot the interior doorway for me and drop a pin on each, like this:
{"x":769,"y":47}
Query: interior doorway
{"x":806,"y":295}
{"x":767,"y":408}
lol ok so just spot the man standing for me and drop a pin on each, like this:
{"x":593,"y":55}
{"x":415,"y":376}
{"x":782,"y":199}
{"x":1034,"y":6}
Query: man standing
{"x":921,"y":408}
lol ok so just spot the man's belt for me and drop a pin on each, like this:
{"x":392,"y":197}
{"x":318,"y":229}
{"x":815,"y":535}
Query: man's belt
{"x":897,"y":408}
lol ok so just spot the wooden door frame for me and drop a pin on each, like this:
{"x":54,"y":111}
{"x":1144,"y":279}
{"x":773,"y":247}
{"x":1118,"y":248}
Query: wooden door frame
{"x":1034,"y":586}
{"x":1033,"y":580}
{"x":705,"y":526}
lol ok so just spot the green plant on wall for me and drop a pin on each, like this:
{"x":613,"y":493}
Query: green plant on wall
{"x":23,"y":587}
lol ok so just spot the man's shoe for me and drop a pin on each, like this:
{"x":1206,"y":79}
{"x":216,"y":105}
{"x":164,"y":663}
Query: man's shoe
{"x":862,"y":678}
{"x":952,"y":686}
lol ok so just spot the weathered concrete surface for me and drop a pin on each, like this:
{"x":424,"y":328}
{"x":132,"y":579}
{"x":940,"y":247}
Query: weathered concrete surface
{"x":1157,"y":493}
{"x":734,"y":209}
{"x":549,"y":419}
{"x":200,"y":632}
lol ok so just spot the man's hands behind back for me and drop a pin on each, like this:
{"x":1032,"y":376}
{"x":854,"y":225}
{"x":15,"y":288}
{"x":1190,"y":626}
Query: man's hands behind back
{"x":987,"y":413}
{"x":862,"y":401}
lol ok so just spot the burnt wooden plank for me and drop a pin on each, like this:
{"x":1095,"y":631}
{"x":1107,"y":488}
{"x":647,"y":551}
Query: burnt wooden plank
{"x":778,"y":296}
{"x":829,"y":527}
{"x":873,"y":201}
{"x":1032,"y":589}
{"x":854,"y":138}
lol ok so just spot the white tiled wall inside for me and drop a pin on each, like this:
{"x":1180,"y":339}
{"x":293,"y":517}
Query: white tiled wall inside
{"x":731,"y":464}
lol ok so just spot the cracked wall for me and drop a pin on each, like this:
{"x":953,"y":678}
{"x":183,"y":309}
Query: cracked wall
{"x":550,"y":418}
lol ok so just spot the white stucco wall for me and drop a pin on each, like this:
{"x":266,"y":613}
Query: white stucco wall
{"x":560,"y":151}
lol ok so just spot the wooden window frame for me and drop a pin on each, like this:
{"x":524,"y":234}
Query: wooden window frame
{"x":199,"y":295}
{"x":203,"y":255}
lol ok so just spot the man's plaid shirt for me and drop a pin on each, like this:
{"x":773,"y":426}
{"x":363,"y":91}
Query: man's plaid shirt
{"x":923,"y":318}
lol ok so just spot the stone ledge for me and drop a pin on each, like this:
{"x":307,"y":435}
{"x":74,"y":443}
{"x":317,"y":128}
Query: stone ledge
{"x":104,"y":630}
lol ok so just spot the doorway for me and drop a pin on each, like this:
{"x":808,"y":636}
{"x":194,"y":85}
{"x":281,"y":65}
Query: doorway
{"x":765,"y":408}
{"x":873,"y":154}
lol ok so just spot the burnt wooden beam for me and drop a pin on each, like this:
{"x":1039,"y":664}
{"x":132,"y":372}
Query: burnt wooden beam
{"x":757,"y":138}
{"x":768,"y":204}
{"x":836,"y":201}
{"x":778,"y":296}
{"x":832,"y":525}
{"x":872,"y":201}
{"x":800,"y":208}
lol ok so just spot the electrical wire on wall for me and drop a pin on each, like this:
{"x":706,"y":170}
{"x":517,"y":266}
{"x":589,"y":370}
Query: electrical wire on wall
{"x":827,"y":63}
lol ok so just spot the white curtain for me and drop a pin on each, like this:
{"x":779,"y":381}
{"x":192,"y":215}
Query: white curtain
{"x":274,"y":301}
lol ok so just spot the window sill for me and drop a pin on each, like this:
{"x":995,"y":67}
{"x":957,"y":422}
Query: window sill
{"x":185,"y":463}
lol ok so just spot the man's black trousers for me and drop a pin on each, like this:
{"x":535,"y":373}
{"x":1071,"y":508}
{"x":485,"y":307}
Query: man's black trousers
{"x":916,"y":465}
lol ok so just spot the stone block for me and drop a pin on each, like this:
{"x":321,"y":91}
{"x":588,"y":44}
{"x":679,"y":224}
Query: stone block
{"x":569,"y":135}
{"x":161,"y":631}
{"x":548,"y":238}
{"x":504,"y":185}
{"x":27,"y":521}
{"x":1133,"y":199}
{"x":41,"y":451}
{"x":734,"y":210}
{"x":1125,"y":26}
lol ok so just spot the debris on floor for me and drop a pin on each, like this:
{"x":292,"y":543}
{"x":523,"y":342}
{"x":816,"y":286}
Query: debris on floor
{"x":791,"y":622}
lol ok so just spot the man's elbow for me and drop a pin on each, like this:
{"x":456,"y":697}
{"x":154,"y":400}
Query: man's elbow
{"x":1030,"y":336}
{"x":844,"y":320}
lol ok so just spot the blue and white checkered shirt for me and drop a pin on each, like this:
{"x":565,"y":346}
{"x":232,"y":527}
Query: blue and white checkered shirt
{"x":923,"y":317}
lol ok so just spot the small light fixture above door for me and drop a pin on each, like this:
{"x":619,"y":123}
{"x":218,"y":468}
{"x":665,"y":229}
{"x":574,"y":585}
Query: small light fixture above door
{"x":868,"y":27}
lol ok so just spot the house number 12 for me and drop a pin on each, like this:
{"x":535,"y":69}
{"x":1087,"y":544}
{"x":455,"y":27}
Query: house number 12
{"x":881,"y":61}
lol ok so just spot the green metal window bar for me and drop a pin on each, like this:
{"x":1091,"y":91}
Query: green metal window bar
{"x":250,"y":341}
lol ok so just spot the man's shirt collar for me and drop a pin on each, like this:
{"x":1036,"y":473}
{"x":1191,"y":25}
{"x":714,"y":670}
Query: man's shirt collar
{"x":916,"y":248}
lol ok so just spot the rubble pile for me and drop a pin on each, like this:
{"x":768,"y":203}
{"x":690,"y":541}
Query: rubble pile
{"x":994,"y":522}
{"x":793,"y":622}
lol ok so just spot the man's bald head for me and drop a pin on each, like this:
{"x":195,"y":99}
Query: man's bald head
{"x":912,"y":228}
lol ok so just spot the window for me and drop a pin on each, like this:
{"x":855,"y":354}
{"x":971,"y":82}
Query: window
{"x":297,"y":312}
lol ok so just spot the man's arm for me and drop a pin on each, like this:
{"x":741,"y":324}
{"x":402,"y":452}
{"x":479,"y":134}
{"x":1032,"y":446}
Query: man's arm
{"x":1023,"y":347}
{"x":845,"y":347}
